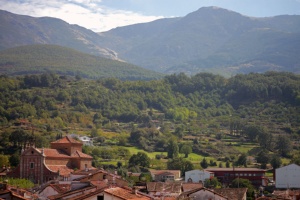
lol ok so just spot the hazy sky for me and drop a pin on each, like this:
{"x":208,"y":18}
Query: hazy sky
{"x":102,"y":15}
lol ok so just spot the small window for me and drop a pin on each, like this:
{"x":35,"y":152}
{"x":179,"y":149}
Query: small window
{"x":100,"y":197}
{"x":32,"y":152}
{"x":31,"y":165}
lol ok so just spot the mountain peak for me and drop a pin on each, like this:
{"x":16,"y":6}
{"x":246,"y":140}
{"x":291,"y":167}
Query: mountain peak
{"x":215,"y":9}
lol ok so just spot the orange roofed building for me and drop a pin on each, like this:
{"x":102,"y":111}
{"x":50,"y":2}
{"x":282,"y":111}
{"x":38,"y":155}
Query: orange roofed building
{"x":44,"y":164}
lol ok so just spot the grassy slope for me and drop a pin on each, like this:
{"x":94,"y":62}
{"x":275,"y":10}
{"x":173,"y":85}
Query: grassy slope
{"x":51,"y":58}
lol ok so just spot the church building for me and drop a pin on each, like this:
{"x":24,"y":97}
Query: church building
{"x":44,"y":164}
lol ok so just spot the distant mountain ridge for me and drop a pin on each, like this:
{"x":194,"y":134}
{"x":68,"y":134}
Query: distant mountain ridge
{"x":19,"y":30}
{"x":210,"y":39}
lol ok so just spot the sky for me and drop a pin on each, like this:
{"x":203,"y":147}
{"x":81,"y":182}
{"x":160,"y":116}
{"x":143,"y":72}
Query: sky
{"x":103,"y":15}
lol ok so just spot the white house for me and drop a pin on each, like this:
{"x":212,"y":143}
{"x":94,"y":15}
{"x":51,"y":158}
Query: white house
{"x":86,"y":140}
{"x":288,"y":176}
{"x":195,"y":176}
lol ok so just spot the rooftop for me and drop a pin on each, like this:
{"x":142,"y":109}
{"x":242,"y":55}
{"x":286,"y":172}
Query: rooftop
{"x":236,"y":169}
{"x":81,"y":155}
{"x":191,"y":186}
{"x":61,"y":188}
{"x":67,"y":140}
{"x":123,"y":193}
{"x":232,"y":193}
{"x":62,"y":169}
{"x":169,"y":187}
{"x":54,"y":153}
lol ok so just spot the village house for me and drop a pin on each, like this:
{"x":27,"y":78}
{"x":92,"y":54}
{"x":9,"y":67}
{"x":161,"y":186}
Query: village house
{"x":165,"y":175}
{"x":165,"y":190}
{"x":86,"y":140}
{"x":233,"y":193}
{"x":44,"y":164}
{"x":12,"y":193}
{"x":53,"y":189}
{"x":201,"y":193}
{"x":83,"y":184}
{"x":197,"y":176}
{"x":287,"y":177}
{"x":227,"y":175}
{"x":98,"y":175}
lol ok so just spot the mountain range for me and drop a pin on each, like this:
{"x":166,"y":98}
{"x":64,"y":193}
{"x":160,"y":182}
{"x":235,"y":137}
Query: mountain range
{"x":210,"y":39}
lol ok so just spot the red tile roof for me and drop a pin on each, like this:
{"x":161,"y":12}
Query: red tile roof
{"x":170,"y":187}
{"x":67,"y":140}
{"x":99,"y":184}
{"x":87,"y":195}
{"x":70,"y":194}
{"x":81,"y":155}
{"x":63,"y":169}
{"x":54,"y":153}
{"x":232,"y":193}
{"x":61,"y":188}
{"x":191,"y":186}
{"x":126,"y":194}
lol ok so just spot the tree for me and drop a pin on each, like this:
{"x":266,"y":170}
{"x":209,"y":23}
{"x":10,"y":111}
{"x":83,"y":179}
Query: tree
{"x":186,"y":150}
{"x":243,"y":183}
{"x":145,"y":177}
{"x":14,"y":159}
{"x":252,"y":131}
{"x":242,"y":160}
{"x":263,"y":158}
{"x":20,"y":138}
{"x":227,"y":164}
{"x":276,"y":161}
{"x":172,"y":149}
{"x":212,"y":183}
{"x":283,"y":145}
{"x":204,"y":163}
{"x":266,"y":140}
{"x":180,"y":164}
{"x":17,"y":182}
{"x":139,"y":159}
{"x":4,"y":160}
{"x":296,"y":158}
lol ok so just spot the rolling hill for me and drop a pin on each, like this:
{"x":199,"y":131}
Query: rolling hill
{"x":33,"y":59}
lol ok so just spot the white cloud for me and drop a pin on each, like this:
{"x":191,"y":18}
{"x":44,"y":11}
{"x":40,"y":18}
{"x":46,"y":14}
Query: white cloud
{"x":87,"y":13}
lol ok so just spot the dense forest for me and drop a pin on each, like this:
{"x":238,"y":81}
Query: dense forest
{"x":153,"y":115}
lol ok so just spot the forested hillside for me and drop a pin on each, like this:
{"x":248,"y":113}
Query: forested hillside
{"x":36,"y":59}
{"x":146,"y":114}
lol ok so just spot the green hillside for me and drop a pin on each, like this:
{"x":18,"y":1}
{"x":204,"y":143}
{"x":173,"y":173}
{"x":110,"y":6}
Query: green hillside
{"x":34,"y":59}
{"x":219,"y":119}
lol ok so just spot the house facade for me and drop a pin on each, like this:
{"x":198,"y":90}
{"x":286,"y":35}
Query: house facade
{"x":165,"y":175}
{"x":227,"y":175}
{"x":44,"y":164}
{"x":197,"y":176}
{"x":287,"y":177}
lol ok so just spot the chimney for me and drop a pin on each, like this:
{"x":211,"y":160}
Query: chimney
{"x":135,"y":190}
